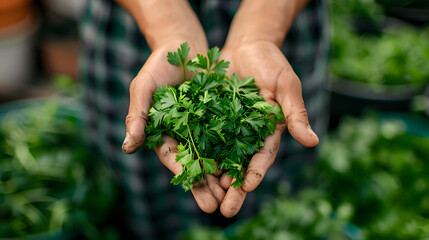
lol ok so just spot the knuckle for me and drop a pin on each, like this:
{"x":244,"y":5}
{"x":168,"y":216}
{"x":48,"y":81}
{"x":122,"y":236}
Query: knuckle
{"x":128,"y":119}
{"x":255,"y":175}
{"x":253,"y":179}
{"x":297,"y":115}
{"x":168,"y":151}
{"x":287,"y":82}
{"x":142,"y":116}
{"x":145,"y":117}
{"x":268,"y":151}
{"x":281,"y":126}
{"x":143,"y":80}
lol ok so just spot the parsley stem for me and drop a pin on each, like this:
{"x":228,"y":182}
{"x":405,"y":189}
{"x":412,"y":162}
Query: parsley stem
{"x":184,"y":72}
{"x":193,"y":143}
{"x":179,"y":134}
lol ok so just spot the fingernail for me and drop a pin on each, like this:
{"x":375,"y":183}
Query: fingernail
{"x":310,"y":131}
{"x":127,"y":137}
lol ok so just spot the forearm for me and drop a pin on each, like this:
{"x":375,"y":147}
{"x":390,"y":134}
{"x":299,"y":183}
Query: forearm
{"x":267,"y":20}
{"x":163,"y":20}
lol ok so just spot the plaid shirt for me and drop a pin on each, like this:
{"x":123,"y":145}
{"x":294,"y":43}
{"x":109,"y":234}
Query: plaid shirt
{"x":113,"y":52}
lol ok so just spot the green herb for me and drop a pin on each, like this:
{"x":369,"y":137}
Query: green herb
{"x":213,"y":116}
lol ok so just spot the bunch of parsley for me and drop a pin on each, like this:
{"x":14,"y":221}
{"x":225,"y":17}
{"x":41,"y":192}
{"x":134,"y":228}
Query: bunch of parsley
{"x":213,"y":116}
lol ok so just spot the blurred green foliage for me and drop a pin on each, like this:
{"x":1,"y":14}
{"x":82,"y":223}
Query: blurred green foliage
{"x":51,"y":186}
{"x":308,"y":216}
{"x":371,"y":182}
{"x":367,"y":14}
{"x":371,"y":48}
{"x":394,"y":58}
{"x":383,"y":172}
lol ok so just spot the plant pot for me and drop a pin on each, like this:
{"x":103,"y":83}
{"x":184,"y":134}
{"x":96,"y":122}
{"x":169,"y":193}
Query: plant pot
{"x":14,"y":11}
{"x":17,"y":54}
{"x":354,"y":98}
{"x":415,"y":16}
{"x":60,"y":57}
{"x":412,"y":11}
{"x":366,"y":26}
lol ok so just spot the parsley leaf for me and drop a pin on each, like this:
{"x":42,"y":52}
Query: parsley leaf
{"x":212,"y":116}
{"x":183,"y":52}
{"x":174,"y":58}
{"x":221,"y":67}
{"x":213,"y":55}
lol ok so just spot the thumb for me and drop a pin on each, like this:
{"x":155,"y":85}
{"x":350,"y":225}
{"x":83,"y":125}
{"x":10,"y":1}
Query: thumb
{"x":289,"y":95}
{"x":154,"y":73}
{"x":141,"y":91}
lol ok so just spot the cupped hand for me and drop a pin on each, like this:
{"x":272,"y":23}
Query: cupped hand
{"x":157,"y":72}
{"x":278,"y":83}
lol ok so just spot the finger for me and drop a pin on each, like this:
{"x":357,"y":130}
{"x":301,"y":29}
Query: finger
{"x":262,"y":160}
{"x":154,"y":73}
{"x":233,"y":201}
{"x":135,"y":135}
{"x":167,"y":153}
{"x":204,"y":197}
{"x":218,"y":170}
{"x":289,"y":95}
{"x":215,"y":187}
{"x":141,"y":91}
{"x":225,"y":181}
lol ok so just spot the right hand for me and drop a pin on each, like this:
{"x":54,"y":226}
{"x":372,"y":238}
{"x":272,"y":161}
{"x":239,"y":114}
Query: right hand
{"x":157,"y":72}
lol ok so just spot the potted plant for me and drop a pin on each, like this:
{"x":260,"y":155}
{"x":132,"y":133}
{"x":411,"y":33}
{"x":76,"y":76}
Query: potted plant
{"x":383,"y":72}
{"x":51,"y":186}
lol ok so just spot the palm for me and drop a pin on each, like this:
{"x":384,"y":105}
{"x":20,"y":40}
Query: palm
{"x":157,"y":72}
{"x":262,"y":61}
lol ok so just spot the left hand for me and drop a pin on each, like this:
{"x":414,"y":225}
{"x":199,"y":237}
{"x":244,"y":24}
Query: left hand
{"x":278,"y":83}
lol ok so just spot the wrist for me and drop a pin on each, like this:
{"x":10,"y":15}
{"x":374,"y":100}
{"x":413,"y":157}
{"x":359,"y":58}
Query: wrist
{"x":171,"y":45}
{"x":172,"y":42}
{"x":163,"y":20}
{"x":247,"y":44}
{"x":263,"y":21}
{"x":246,"y":40}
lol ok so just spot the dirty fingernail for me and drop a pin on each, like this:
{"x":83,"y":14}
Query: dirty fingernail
{"x":127,"y":137}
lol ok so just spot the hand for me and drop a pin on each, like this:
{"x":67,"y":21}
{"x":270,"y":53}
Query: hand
{"x":279,"y":84}
{"x":155,"y":73}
